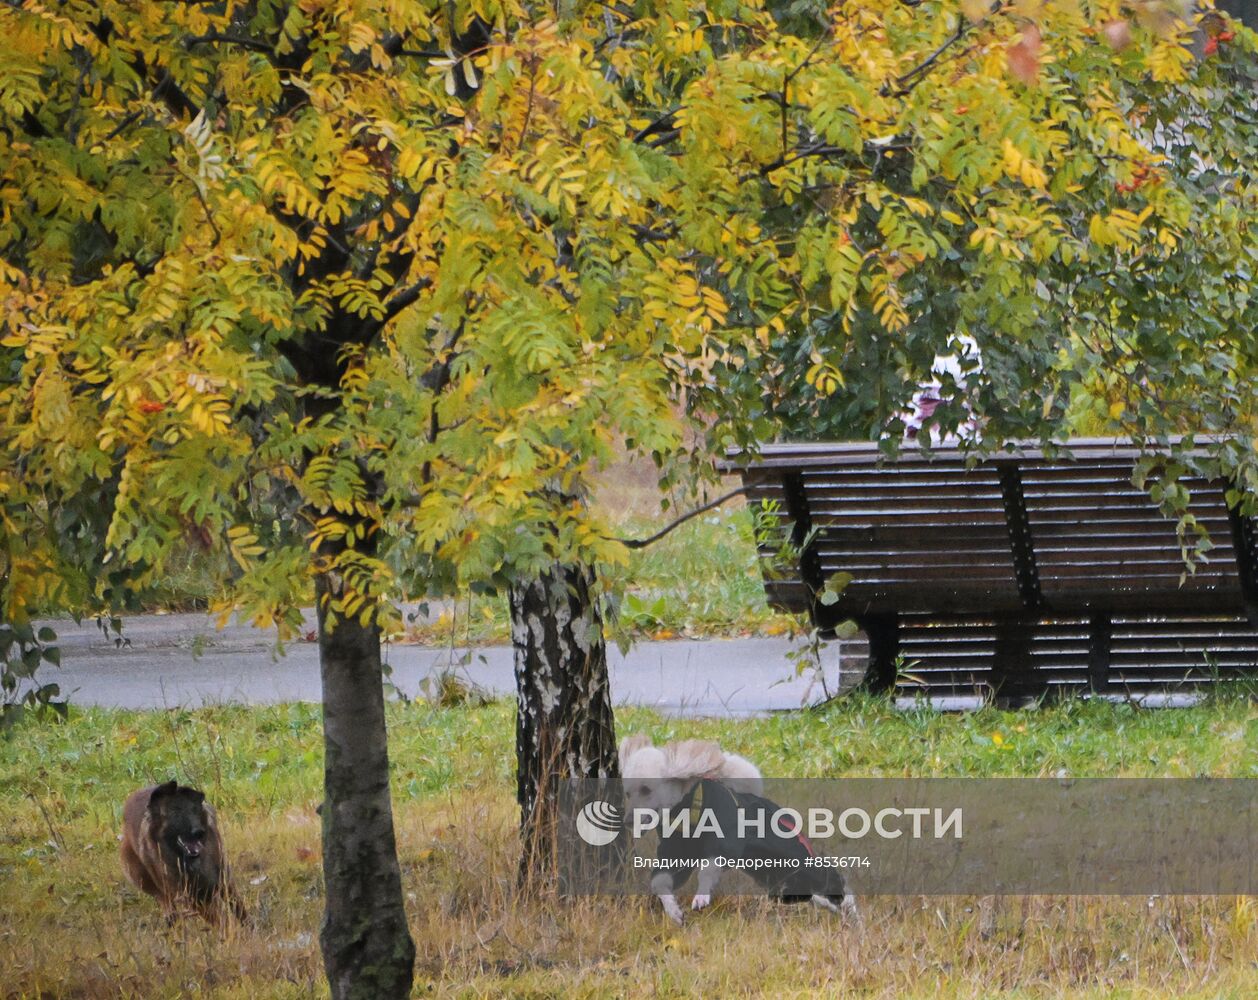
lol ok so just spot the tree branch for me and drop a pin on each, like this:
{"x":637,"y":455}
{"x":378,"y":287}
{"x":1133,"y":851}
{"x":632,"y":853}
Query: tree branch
{"x":787,"y":78}
{"x":646,"y":234}
{"x":438,"y":376}
{"x":123,"y":125}
{"x":215,"y":37}
{"x":820,"y":149}
{"x":170,"y":94}
{"x":907,"y":81}
{"x":642,"y":543}
{"x":664,"y":138}
{"x":528,"y":108}
{"x":205,"y":206}
{"x":405,"y":298}
{"x":435,"y":380}
{"x":663,"y":123}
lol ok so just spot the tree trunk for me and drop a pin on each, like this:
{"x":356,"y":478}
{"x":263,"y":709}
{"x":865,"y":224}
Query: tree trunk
{"x":564,"y":725}
{"x":368,"y":953}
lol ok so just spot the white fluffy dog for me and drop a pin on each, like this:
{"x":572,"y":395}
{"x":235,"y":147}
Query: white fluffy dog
{"x":658,"y":777}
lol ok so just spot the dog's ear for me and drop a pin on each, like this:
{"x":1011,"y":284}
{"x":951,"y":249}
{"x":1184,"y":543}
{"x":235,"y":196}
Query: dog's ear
{"x":163,"y":791}
{"x":195,"y":795}
{"x":692,"y":758}
{"x":631,"y":745}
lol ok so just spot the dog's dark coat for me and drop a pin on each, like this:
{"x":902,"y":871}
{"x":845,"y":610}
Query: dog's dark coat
{"x":171,"y":849}
{"x":787,"y":885}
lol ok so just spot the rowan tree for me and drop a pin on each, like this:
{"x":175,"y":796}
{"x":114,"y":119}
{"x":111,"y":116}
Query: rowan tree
{"x":1067,"y":189}
{"x":357,"y":293}
{"x":361,"y":292}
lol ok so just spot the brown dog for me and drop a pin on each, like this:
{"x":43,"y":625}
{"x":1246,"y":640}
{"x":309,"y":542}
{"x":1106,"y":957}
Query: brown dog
{"x":172,"y":850}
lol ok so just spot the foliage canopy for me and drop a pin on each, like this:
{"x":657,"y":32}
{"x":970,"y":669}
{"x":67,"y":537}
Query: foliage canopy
{"x":284,"y":277}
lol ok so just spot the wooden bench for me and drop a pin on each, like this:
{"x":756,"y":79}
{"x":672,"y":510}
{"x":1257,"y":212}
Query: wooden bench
{"x":1013,"y":576}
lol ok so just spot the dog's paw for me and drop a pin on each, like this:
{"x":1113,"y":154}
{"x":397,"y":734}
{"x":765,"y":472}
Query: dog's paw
{"x":701,"y":900}
{"x":822,"y":903}
{"x":673,"y":910}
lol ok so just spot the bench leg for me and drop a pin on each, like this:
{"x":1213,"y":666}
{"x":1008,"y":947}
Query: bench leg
{"x":1100,"y":631}
{"x":1013,"y":675}
{"x":884,"y":649}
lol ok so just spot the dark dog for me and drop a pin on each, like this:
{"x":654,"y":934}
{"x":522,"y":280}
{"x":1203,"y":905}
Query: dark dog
{"x":171,"y":849}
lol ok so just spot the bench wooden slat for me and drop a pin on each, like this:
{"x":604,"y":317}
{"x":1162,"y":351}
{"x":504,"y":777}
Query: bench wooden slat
{"x":966,"y":518}
{"x":910,"y":537}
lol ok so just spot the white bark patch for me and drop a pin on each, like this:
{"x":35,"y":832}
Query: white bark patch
{"x":581,"y":630}
{"x":537,"y":631}
{"x":543,"y":678}
{"x":519,"y":634}
{"x":550,"y":694}
{"x":559,"y":604}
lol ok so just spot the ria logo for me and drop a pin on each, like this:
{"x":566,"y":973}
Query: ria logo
{"x":598,"y":823}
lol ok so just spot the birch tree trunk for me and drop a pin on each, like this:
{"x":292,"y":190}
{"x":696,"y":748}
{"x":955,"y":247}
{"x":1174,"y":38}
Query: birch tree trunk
{"x":564,"y":724}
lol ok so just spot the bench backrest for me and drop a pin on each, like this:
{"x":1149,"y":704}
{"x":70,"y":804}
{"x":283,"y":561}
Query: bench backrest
{"x":1016,"y":532}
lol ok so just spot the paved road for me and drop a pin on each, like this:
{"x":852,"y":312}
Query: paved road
{"x":184,"y":661}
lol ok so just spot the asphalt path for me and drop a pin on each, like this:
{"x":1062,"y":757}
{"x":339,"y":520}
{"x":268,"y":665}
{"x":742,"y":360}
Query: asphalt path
{"x":184,"y":660}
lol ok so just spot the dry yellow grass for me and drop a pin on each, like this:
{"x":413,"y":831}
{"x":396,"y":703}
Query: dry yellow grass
{"x":69,"y":927}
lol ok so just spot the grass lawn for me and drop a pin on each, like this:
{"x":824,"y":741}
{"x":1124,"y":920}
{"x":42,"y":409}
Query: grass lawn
{"x":70,"y":927}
